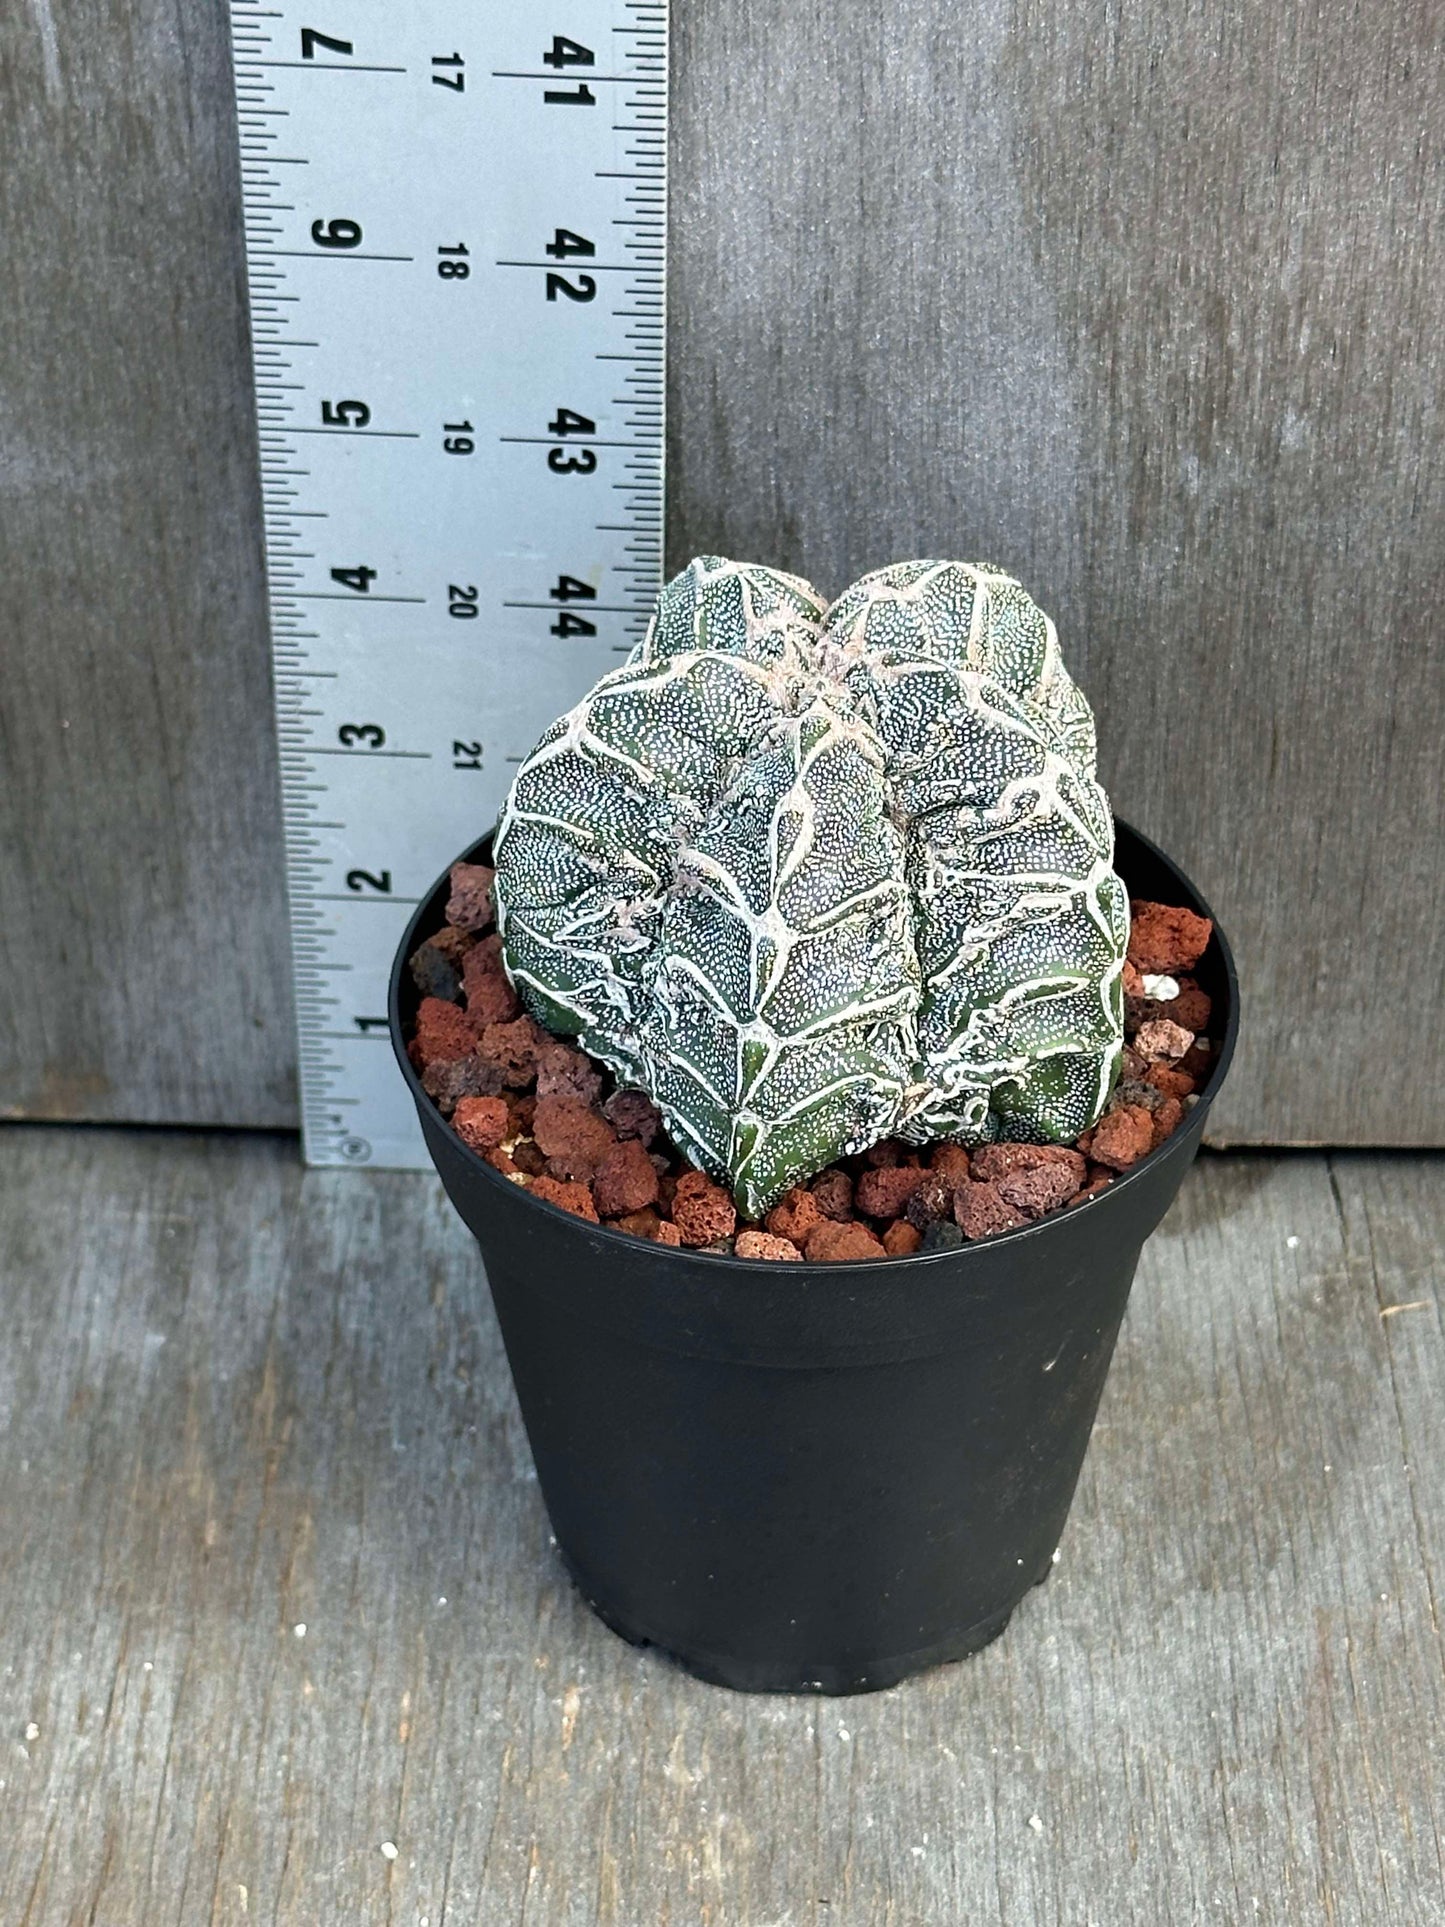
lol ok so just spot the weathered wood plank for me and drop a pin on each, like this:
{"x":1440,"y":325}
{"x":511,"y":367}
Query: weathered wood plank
{"x":1087,"y":290}
{"x":143,"y":940}
{"x":238,"y":1400}
{"x":1082,"y":289}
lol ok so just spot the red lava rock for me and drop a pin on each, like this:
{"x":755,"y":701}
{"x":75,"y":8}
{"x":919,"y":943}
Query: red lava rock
{"x":1138,"y":1011}
{"x":575,"y":1138}
{"x":979,"y":1210}
{"x":1161,"y":1041}
{"x":762,"y":1244}
{"x":1122,"y":1137}
{"x":448,"y":1083}
{"x":1165,"y":939}
{"x":576,"y":1198}
{"x":702,"y":1210}
{"x":434,"y":973}
{"x":469,"y":907}
{"x":514,"y":1048}
{"x":565,"y":1072}
{"x":490,"y":997}
{"x":795,"y":1214}
{"x":625,"y":1179}
{"x":994,"y":1161}
{"x":529,"y":1156}
{"x":951,"y":1159}
{"x":932,"y":1200}
{"x":499,"y":1075}
{"x":1132,"y":1090}
{"x":831,"y":1242}
{"x":640,"y":1224}
{"x":1198,"y":1061}
{"x":452,"y":943}
{"x":481,"y":1122}
{"x":884,"y":1192}
{"x":942,"y":1236}
{"x":493,"y":1001}
{"x":479,"y":953}
{"x":902,"y":1239}
{"x":443,"y":1032}
{"x":1173,"y":1083}
{"x":1040,"y":1188}
{"x":1191,"y":1009}
{"x":833,"y":1192}
{"x":633,"y":1114}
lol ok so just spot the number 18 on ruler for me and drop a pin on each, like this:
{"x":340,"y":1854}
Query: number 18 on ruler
{"x":455,"y":234}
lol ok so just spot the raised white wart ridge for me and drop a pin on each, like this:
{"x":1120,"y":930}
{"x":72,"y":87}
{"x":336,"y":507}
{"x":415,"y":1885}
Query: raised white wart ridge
{"x":815,"y":876}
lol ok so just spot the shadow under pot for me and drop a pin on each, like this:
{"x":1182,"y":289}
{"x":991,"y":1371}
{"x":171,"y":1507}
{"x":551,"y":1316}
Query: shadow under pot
{"x":803,"y":1477}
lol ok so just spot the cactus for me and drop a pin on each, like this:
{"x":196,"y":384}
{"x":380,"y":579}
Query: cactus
{"x":816,"y":876}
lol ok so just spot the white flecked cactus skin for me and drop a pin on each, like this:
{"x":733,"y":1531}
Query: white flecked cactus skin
{"x":815,"y":876}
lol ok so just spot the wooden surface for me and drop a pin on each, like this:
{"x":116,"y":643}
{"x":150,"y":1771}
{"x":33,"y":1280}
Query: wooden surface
{"x":1144,"y":303}
{"x":143,"y":938}
{"x":276,"y":1590}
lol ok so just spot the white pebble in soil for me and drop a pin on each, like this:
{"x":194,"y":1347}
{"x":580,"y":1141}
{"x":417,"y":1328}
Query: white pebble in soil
{"x":1162,"y":989}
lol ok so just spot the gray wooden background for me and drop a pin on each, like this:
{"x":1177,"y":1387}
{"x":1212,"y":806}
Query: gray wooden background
{"x":1143,"y":302}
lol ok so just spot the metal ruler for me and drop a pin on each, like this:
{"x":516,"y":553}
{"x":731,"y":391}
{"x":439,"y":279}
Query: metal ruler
{"x":455,"y":233}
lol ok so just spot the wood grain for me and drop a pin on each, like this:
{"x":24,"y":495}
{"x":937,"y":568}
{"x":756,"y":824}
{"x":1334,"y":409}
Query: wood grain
{"x":1143,"y":303}
{"x":239,"y":1400}
{"x":143,"y":939}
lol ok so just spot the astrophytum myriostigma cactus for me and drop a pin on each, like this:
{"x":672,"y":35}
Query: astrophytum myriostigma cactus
{"x":816,"y":876}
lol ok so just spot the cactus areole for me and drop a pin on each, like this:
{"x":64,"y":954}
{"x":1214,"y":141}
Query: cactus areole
{"x":814,"y":876}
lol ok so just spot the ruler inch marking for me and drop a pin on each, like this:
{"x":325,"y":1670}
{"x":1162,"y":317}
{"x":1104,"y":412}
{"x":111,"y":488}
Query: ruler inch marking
{"x":320,"y":66}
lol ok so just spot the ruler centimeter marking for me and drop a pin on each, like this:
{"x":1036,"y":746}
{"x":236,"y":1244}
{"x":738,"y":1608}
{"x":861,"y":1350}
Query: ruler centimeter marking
{"x":455,"y":246}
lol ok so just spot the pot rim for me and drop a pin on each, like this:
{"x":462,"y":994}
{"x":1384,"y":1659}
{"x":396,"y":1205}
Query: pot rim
{"x":726,"y":1262}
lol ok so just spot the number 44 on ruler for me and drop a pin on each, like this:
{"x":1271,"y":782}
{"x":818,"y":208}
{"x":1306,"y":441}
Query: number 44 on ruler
{"x":455,"y":237}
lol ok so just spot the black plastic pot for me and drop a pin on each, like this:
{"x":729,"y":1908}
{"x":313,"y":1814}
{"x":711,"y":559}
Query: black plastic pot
{"x":819,"y":1478}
